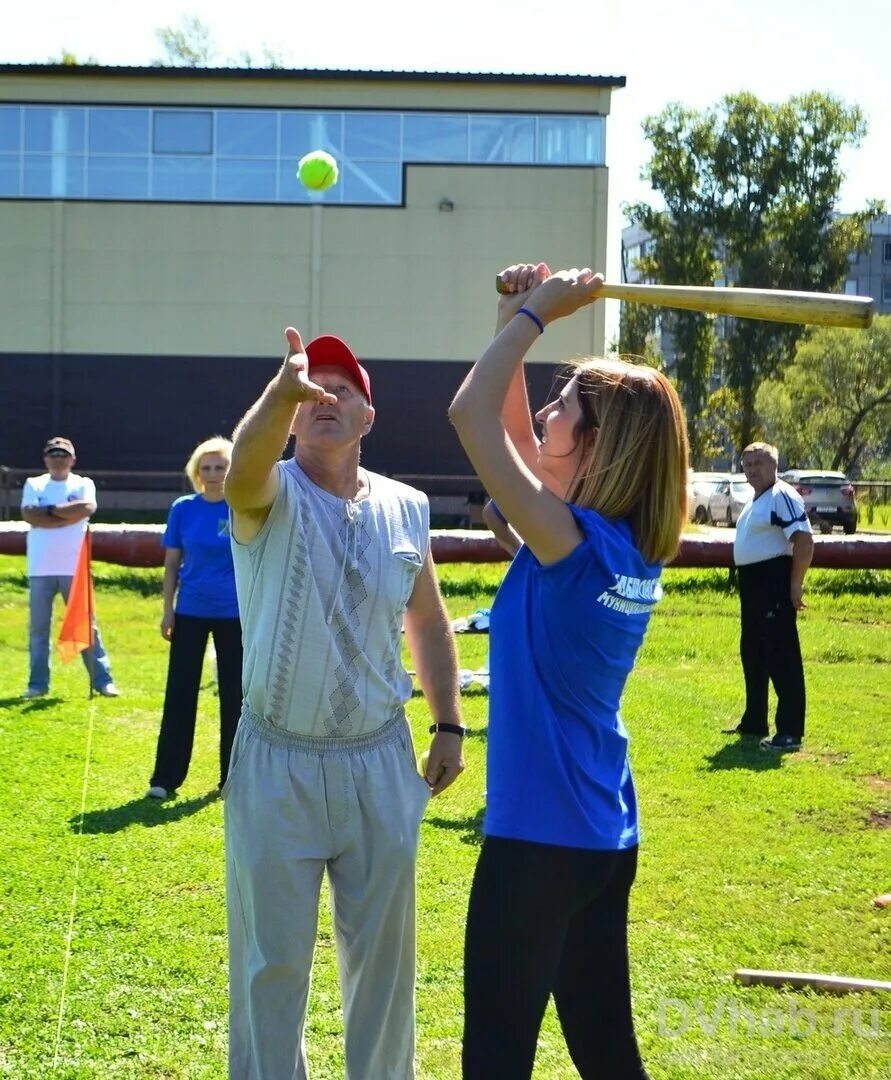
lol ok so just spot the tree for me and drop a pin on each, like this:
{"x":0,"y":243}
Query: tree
{"x":831,"y":408}
{"x":187,"y":45}
{"x":69,"y":59}
{"x":751,"y":187}
{"x":191,"y":45}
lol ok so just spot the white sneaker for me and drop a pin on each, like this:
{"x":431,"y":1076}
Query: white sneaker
{"x":155,"y":792}
{"x":29,"y":694}
{"x":109,"y":690}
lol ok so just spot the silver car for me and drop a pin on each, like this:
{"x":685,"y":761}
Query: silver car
{"x":726,"y":503}
{"x":700,"y":487}
{"x":828,"y":497}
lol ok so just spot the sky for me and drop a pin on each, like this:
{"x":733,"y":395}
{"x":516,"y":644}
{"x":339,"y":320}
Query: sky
{"x":691,"y":51}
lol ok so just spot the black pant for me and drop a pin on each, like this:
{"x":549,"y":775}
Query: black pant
{"x":187,"y":647}
{"x":769,"y":647}
{"x":549,"y":920}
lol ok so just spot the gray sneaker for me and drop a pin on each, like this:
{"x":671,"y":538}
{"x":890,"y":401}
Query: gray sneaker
{"x":155,"y":792}
{"x":109,"y":690}
{"x":32,"y":693}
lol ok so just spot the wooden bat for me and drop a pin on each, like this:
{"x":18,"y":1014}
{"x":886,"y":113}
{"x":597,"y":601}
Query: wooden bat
{"x":773,"y":305}
{"x":833,"y":983}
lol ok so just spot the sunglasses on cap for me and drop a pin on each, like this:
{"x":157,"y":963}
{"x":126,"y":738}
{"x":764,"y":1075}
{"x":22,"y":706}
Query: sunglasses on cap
{"x":57,"y":453}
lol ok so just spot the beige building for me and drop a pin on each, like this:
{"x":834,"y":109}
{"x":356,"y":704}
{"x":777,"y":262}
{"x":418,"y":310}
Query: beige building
{"x":154,"y":242}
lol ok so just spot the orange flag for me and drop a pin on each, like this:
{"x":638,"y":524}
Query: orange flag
{"x":77,"y":626}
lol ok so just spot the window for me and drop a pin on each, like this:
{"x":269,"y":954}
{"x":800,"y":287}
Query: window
{"x":886,"y":251}
{"x":197,"y":154}
{"x":53,"y":176}
{"x":187,"y":179}
{"x":886,"y":292}
{"x":10,"y":128}
{"x":372,"y":135}
{"x":183,"y":132}
{"x":58,"y":130}
{"x":435,"y":137}
{"x":247,"y":133}
{"x":117,"y":177}
{"x":570,"y":140}
{"x":851,"y":286}
{"x":502,"y":138}
{"x":245,"y":180}
{"x":119,"y":131}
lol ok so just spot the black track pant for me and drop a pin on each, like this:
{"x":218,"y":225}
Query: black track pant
{"x":177,"y":734}
{"x":769,"y":647}
{"x":549,"y":920}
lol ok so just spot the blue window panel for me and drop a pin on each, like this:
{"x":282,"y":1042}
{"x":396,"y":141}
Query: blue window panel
{"x":247,"y":133}
{"x":372,"y":182}
{"x":244,"y":180}
{"x":59,"y":130}
{"x":53,"y":176}
{"x":10,"y":128}
{"x":117,"y":177}
{"x":306,"y":131}
{"x":9,"y":174}
{"x":434,"y":137}
{"x":188,"y":179}
{"x":372,"y":135}
{"x":183,"y":131}
{"x":290,"y":190}
{"x":119,"y":131}
{"x":502,"y":138}
{"x":570,"y":140}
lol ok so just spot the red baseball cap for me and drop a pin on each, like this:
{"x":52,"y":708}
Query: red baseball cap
{"x":330,"y":351}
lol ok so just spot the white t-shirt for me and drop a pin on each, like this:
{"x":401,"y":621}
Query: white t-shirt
{"x":54,"y":552}
{"x":767,"y":524}
{"x":322,"y":589}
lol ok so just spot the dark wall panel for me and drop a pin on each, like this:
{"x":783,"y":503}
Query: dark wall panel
{"x":140,"y":412}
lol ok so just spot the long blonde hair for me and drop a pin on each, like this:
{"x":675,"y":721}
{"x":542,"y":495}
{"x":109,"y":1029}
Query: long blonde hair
{"x":215,"y":445}
{"x":637,"y":466}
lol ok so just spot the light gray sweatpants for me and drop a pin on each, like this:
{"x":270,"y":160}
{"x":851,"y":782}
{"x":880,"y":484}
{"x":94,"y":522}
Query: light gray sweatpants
{"x":294,"y":806}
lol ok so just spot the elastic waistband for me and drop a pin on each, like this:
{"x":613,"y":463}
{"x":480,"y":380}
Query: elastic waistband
{"x":312,"y":744}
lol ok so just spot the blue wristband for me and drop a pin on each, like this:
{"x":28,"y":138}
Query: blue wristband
{"x":533,"y":317}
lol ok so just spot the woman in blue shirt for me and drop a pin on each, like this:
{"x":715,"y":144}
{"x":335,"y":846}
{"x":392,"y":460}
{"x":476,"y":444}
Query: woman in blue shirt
{"x":199,"y":601}
{"x":598,"y":503}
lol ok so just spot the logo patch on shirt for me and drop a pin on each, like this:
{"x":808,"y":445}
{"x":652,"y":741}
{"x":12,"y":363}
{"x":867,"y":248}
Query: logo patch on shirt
{"x":223,"y":527}
{"x":631,"y":595}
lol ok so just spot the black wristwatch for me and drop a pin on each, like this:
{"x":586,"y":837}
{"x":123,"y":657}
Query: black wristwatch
{"x":449,"y":729}
{"x":49,"y":511}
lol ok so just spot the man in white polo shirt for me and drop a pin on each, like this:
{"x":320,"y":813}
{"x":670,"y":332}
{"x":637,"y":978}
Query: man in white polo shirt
{"x":330,"y":561}
{"x":773,"y":550}
{"x":57,"y":506}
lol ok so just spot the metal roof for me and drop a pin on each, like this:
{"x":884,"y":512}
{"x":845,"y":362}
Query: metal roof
{"x":300,"y":74}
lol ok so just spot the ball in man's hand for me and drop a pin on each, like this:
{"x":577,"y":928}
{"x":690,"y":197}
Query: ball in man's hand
{"x":422,"y":762}
{"x":317,"y":171}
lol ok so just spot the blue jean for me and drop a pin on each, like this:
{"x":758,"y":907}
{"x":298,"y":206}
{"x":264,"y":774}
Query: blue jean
{"x":41,"y":593}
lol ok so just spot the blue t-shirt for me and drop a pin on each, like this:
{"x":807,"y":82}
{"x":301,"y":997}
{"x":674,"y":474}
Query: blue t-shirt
{"x":206,"y":576}
{"x":563,"y":639}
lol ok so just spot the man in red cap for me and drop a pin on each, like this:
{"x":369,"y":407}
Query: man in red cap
{"x":57,"y":506}
{"x":330,"y":562}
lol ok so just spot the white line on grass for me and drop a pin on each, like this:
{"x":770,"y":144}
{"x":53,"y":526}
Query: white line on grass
{"x":79,"y":842}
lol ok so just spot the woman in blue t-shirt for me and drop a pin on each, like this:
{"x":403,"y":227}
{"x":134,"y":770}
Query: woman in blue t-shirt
{"x":199,"y":601}
{"x":598,"y":504}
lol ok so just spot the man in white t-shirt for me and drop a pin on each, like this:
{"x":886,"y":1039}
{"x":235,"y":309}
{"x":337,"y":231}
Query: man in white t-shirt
{"x":772,"y":550}
{"x":331,"y":562}
{"x":57,"y":506}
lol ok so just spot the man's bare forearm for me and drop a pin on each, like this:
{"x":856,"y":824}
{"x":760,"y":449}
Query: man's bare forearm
{"x":802,"y":554}
{"x":259,"y":440}
{"x":432,"y":646}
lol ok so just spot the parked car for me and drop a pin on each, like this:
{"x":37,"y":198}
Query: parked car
{"x":700,"y":486}
{"x":726,"y":502}
{"x":829,"y":497}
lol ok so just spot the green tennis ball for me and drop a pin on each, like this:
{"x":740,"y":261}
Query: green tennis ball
{"x":423,"y":761}
{"x":317,"y":171}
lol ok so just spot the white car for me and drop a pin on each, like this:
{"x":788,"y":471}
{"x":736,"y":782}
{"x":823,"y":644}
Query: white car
{"x":700,"y":487}
{"x":726,"y":503}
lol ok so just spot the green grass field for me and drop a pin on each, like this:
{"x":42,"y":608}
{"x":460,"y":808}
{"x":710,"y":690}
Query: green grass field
{"x":112,"y":927}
